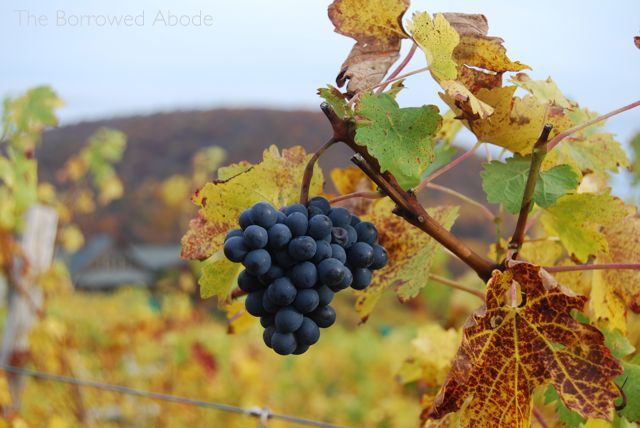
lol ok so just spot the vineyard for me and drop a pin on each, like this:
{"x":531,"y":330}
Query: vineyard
{"x":343,"y":296}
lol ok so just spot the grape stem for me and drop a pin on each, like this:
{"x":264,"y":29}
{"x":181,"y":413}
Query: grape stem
{"x":537,"y":156}
{"x":308,"y":171}
{"x":400,"y":67}
{"x":564,"y":134}
{"x":446,"y":168}
{"x":456,"y":285}
{"x":573,"y":268}
{"x":407,"y":205}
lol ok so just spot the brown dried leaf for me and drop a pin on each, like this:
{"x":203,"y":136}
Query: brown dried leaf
{"x":510,"y":349}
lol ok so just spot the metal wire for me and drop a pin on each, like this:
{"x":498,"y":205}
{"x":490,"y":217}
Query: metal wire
{"x":261,"y":413}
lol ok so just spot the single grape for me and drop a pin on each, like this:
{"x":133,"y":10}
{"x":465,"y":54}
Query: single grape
{"x":279,"y":236}
{"x":267,"y":320}
{"x":360,"y":255}
{"x":283,"y":343}
{"x":346,"y":281}
{"x":245,"y":219}
{"x":283,"y":259}
{"x":337,"y":252}
{"x":248,"y":282}
{"x":296,"y":208}
{"x":367,"y":232}
{"x":306,"y":300}
{"x":302,"y":248}
{"x":280,"y":216}
{"x":267,"y":335}
{"x":354,"y":220}
{"x":272,"y":274}
{"x":339,"y":236}
{"x":297,"y":223}
{"x":352,"y":236}
{"x":340,"y":217}
{"x":304,"y":275}
{"x":301,"y":349}
{"x":263,"y":214}
{"x":319,"y":226}
{"x":361,"y":278}
{"x":308,"y":333}
{"x":257,"y":262}
{"x":269,"y":306}
{"x":232,"y":233}
{"x":323,"y":251}
{"x":324,"y":316}
{"x":380,"y":257}
{"x":331,"y":272}
{"x":288,"y":320}
{"x":321,"y":203}
{"x":255,"y":237}
{"x":282,"y":292}
{"x":235,"y":250}
{"x":253,"y":303}
{"x":325,"y":294}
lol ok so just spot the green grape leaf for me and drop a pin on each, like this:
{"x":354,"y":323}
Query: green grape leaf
{"x":504,"y":182}
{"x":410,"y":258}
{"x":544,"y":90}
{"x":576,"y":220}
{"x":400,"y":138}
{"x":629,"y":381}
{"x":568,"y":417}
{"x":218,"y":277}
{"x":437,"y":39}
{"x":275,"y":180}
{"x":336,"y":100}
{"x":443,"y":153}
{"x":28,"y":115}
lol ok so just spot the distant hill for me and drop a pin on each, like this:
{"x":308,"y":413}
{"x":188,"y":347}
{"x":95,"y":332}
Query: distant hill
{"x":163,"y":144}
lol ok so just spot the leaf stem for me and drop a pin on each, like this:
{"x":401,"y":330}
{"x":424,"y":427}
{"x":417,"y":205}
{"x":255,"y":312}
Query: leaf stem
{"x":564,"y":134}
{"x":453,"y":284}
{"x":308,"y":171}
{"x":400,"y":67}
{"x":573,"y":268}
{"x":484,"y":210}
{"x":365,"y":195}
{"x":446,"y":168}
{"x":537,"y":156}
{"x":400,"y":77}
{"x":538,"y":415}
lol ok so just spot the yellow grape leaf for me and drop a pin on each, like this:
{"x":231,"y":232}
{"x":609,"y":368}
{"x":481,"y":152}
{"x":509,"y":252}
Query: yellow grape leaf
{"x":410,"y":258}
{"x":485,"y":52}
{"x":275,"y":180}
{"x":219,"y":276}
{"x":110,"y":190}
{"x":238,"y":318}
{"x":576,"y":219}
{"x":5,"y":395}
{"x":449,"y":129}
{"x":604,"y":304}
{"x":437,"y":39}
{"x":431,"y":355}
{"x":377,"y":28}
{"x":544,"y":90}
{"x":460,"y":96}
{"x":511,"y":348}
{"x":351,"y":179}
{"x":542,"y":253}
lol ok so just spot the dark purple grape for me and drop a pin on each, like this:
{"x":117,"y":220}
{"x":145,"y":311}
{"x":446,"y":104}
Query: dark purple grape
{"x":367,"y":232}
{"x":267,"y":320}
{"x":232,"y":233}
{"x":288,"y":320}
{"x":361,"y":278}
{"x":279,"y":236}
{"x":255,"y":237}
{"x":346,"y":281}
{"x":352,"y":236}
{"x":301,"y":349}
{"x":308,"y":333}
{"x":314,"y":211}
{"x":296,"y":208}
{"x":267,"y":335}
{"x":282,"y":292}
{"x":297,"y":223}
{"x":337,"y":252}
{"x":283,"y":259}
{"x":331,"y":272}
{"x":283,"y":343}
{"x":304,"y":275}
{"x":306,"y":300}
{"x":324,"y":316}
{"x":354,"y":220}
{"x":323,"y":251}
{"x":269,"y":306}
{"x":248,"y":282}
{"x":280,"y":216}
{"x":360,"y":255}
{"x":325,"y":294}
{"x":380,"y":257}
{"x":321,"y":203}
{"x":257,"y":262}
{"x":302,"y":248}
{"x":272,"y":274}
{"x":253,"y":303}
{"x":319,"y":226}
{"x":235,"y":250}
{"x":340,"y":217}
{"x":245,"y":219}
{"x":339,"y":236}
{"x":263,"y":214}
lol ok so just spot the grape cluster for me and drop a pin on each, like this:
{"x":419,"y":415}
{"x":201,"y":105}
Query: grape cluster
{"x":295,"y":259}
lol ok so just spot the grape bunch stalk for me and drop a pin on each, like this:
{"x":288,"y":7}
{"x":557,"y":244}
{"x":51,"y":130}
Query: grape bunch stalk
{"x":295,"y":259}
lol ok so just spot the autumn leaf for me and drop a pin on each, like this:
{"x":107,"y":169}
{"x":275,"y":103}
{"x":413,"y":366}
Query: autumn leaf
{"x":410,"y":258}
{"x":431,"y":355}
{"x":400,"y":138}
{"x":509,"y":349}
{"x":336,"y":100}
{"x":238,"y":318}
{"x":351,"y":179}
{"x":221,"y":202}
{"x":544,"y":90}
{"x":218,"y":277}
{"x":437,"y":39}
{"x":377,"y":28}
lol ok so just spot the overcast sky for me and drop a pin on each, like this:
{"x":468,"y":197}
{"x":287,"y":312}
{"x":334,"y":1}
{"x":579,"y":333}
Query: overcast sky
{"x":276,"y":53}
